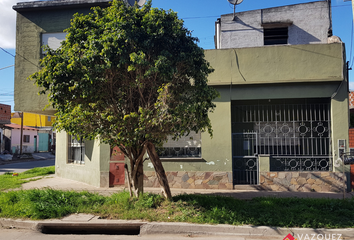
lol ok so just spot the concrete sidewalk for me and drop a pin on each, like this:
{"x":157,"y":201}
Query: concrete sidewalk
{"x":65,"y":184}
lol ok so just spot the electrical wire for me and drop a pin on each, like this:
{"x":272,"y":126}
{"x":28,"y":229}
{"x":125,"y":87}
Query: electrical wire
{"x":7,"y":67}
{"x":19,"y":55}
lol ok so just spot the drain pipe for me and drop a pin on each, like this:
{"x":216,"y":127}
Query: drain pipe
{"x":218,"y":26}
{"x":330,"y":31}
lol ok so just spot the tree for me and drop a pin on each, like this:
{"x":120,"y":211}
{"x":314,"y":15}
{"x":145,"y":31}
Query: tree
{"x":131,"y":77}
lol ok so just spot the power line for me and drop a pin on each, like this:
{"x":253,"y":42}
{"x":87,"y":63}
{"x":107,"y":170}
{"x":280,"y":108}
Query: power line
{"x":19,"y":55}
{"x":7,"y":52}
{"x":6,"y":94}
{"x":7,"y":67}
{"x":217,"y":16}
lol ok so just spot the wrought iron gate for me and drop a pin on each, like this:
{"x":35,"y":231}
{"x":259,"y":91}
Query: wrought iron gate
{"x":295,"y":133}
{"x":244,"y":158}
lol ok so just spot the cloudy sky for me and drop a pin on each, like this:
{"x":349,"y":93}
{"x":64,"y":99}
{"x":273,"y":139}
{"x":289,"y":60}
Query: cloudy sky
{"x":8,"y":21}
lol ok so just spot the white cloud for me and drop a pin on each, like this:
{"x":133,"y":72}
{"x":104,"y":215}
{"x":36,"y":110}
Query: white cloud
{"x":351,"y":86}
{"x":8,"y":23}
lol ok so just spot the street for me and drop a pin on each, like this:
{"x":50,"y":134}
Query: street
{"x":21,"y":234}
{"x":24,"y":166}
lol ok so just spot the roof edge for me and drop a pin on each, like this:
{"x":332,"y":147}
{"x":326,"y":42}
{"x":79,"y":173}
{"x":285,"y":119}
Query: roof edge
{"x":58,"y":4}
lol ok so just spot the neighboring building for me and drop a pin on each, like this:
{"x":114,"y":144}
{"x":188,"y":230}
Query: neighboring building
{"x":5,"y":116}
{"x":34,"y":120}
{"x":29,"y":139}
{"x":43,"y":123}
{"x":280,"y":123}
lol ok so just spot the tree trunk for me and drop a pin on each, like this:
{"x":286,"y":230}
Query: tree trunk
{"x":129,"y":181}
{"x":138,"y":180}
{"x":160,"y":171}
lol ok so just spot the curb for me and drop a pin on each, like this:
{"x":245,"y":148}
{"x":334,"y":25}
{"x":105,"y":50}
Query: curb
{"x":11,"y":223}
{"x":227,"y":230}
{"x":155,"y":228}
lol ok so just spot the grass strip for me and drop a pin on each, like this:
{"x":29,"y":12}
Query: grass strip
{"x":194,"y":208}
{"x":7,"y":181}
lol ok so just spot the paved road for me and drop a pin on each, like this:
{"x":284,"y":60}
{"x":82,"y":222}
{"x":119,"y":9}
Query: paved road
{"x":20,"y":234}
{"x":24,"y":166}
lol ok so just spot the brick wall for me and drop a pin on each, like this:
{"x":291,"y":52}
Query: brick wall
{"x":351,"y":99}
{"x":351,"y":138}
{"x":5,"y":114}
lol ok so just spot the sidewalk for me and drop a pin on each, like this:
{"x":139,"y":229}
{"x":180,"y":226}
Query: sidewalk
{"x":65,"y":184}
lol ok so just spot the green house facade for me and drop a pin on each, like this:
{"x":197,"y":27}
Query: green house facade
{"x":281,"y":120}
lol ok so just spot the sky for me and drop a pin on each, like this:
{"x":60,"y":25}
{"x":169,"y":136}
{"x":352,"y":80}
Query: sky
{"x":199,"y":17}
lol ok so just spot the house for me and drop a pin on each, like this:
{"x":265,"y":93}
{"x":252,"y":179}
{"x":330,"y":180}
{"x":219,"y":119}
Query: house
{"x":5,"y":116}
{"x":280,"y":124}
{"x":29,"y":139}
{"x":46,"y":136}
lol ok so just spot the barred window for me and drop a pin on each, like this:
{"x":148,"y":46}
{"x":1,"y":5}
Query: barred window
{"x":26,"y":138}
{"x":274,"y":36}
{"x":186,"y":147}
{"x":76,"y":150}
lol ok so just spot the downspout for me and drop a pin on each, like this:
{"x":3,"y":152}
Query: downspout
{"x":218,"y":26}
{"x":330,"y":31}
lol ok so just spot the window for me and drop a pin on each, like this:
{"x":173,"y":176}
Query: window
{"x":53,"y":40}
{"x":49,"y":118}
{"x":185,"y":147}
{"x":274,"y":36}
{"x":76,"y":150}
{"x":26,"y":138}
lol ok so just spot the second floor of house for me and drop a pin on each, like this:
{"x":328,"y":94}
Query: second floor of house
{"x":305,"y":23}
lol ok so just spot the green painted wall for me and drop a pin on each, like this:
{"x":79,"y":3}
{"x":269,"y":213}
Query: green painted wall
{"x":277,"y":64}
{"x":216,"y":151}
{"x":340,"y":122}
{"x":29,"y":27}
{"x":95,"y":171}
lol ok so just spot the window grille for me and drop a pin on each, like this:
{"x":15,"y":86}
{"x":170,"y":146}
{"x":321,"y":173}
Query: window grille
{"x":26,"y":138}
{"x":185,"y":147}
{"x":295,"y":132}
{"x":76,"y":150}
{"x":273,"y":36}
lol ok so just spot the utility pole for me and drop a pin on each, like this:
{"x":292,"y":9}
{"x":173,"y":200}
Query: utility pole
{"x":21,"y":137}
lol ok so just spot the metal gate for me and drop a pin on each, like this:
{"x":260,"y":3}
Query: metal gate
{"x":295,"y":133}
{"x":43,"y":142}
{"x":244,"y":158}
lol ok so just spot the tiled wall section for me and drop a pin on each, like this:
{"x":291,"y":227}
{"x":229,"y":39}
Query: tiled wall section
{"x":351,"y":137}
{"x":351,"y":99}
{"x":302,"y":182}
{"x":192,"y":180}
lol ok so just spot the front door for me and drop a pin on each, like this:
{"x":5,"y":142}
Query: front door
{"x":43,"y":142}
{"x":244,"y":158}
{"x":35,"y":143}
